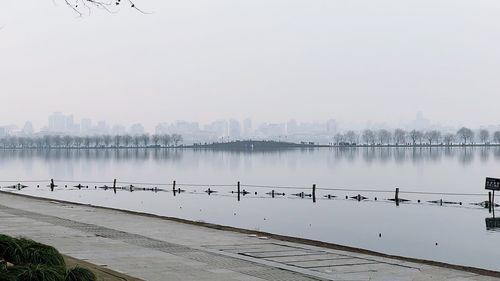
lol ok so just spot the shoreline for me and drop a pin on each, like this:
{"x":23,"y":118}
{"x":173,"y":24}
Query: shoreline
{"x":309,"y":242}
{"x":228,"y":146}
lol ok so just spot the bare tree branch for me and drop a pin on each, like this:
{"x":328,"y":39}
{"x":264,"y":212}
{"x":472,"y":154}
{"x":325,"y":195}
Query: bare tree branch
{"x":80,"y":6}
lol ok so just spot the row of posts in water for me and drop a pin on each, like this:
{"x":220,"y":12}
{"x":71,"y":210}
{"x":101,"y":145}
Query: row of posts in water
{"x":239,"y":192}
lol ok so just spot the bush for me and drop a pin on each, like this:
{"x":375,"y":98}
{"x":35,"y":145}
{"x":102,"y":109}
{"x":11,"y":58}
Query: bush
{"x":10,"y":250}
{"x":33,"y":261}
{"x":36,"y":253}
{"x":80,"y":274}
{"x":37,"y":272}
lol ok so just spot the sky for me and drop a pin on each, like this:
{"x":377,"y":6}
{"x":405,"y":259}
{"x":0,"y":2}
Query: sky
{"x":270,"y":60}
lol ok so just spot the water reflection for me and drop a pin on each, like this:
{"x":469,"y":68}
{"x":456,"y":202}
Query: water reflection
{"x":464,"y":155}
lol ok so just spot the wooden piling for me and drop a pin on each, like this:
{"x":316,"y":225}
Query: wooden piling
{"x":493,"y":202}
{"x":396,"y":197}
{"x":489,"y":201}
{"x":52,"y":185}
{"x":272,"y":193}
{"x":314,"y":193}
{"x":114,"y":186}
{"x":239,"y":198}
{"x":173,"y":187}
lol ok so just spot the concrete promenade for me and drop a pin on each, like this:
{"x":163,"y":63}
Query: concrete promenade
{"x":152,"y":248}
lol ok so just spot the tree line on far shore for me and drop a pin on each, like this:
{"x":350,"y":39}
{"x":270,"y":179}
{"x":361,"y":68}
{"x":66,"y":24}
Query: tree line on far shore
{"x":104,"y":141}
{"x":464,"y":136}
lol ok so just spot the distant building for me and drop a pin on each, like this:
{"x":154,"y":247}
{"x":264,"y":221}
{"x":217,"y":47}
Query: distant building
{"x":272,"y":129}
{"x":86,"y":126}
{"x":101,"y":128}
{"x":247,"y":127}
{"x":219,"y":128}
{"x":3,"y":132}
{"x":60,"y":123}
{"x":234,"y":129}
{"x":28,"y":129}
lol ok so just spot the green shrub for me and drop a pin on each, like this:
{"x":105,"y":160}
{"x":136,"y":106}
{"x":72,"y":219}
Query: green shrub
{"x":79,"y":274}
{"x":37,"y":272}
{"x":34,"y":261}
{"x":10,"y":250}
{"x":6,"y":276}
{"x":36,"y":253}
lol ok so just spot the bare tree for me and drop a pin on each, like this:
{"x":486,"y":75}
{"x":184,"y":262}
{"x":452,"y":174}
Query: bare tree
{"x":78,"y":141}
{"x":68,"y":141}
{"x":85,"y":6}
{"x":106,"y":139}
{"x":351,"y":137}
{"x":465,"y":134}
{"x":86,"y":141}
{"x":338,"y":138}
{"x":155,"y":139}
{"x":145,"y":140}
{"x":416,"y":136}
{"x":399,"y":136}
{"x":496,"y":137}
{"x":368,"y":137}
{"x":384,"y":136}
{"x":127,"y":139}
{"x":97,"y":140}
{"x":165,"y":140}
{"x":484,"y":136}
{"x":176,"y":139}
{"x":136,"y":140}
{"x":449,"y":139}
{"x":432,"y":136}
{"x":117,"y":140}
{"x":47,"y":141}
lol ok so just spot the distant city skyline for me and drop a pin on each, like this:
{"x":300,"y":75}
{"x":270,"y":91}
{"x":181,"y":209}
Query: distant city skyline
{"x":221,"y":129}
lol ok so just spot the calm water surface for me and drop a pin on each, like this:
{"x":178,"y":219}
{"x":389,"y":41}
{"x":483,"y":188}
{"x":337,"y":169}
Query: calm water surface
{"x":450,"y":233}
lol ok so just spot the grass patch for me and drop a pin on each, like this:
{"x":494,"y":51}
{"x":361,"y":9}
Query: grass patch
{"x":26,"y":260}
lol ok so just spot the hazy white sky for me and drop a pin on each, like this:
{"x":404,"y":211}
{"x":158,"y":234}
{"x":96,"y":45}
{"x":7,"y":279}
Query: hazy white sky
{"x":266,"y":59}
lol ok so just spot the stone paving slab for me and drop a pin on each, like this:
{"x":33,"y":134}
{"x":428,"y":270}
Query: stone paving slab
{"x":153,"y":248}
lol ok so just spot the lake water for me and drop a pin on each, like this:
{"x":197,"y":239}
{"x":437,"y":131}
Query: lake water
{"x":451,"y":233}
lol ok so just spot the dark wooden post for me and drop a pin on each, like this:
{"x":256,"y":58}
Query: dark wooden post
{"x":52,"y":185}
{"x":173,"y":187}
{"x":114,"y":186}
{"x":239,"y":198}
{"x":489,"y":201}
{"x":272,"y":193}
{"x":493,"y":202}
{"x":314,"y":193}
{"x":396,"y":197}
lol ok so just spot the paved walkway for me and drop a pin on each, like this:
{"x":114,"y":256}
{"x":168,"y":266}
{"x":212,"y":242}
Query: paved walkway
{"x":157,"y":249}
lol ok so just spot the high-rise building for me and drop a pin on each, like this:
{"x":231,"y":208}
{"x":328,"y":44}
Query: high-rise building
{"x":85,"y":126}
{"x":60,"y":123}
{"x":102,"y":127}
{"x":3,"y":131}
{"x":219,"y":128}
{"x":247,"y":127}
{"x":28,"y":128}
{"x":234,"y":128}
